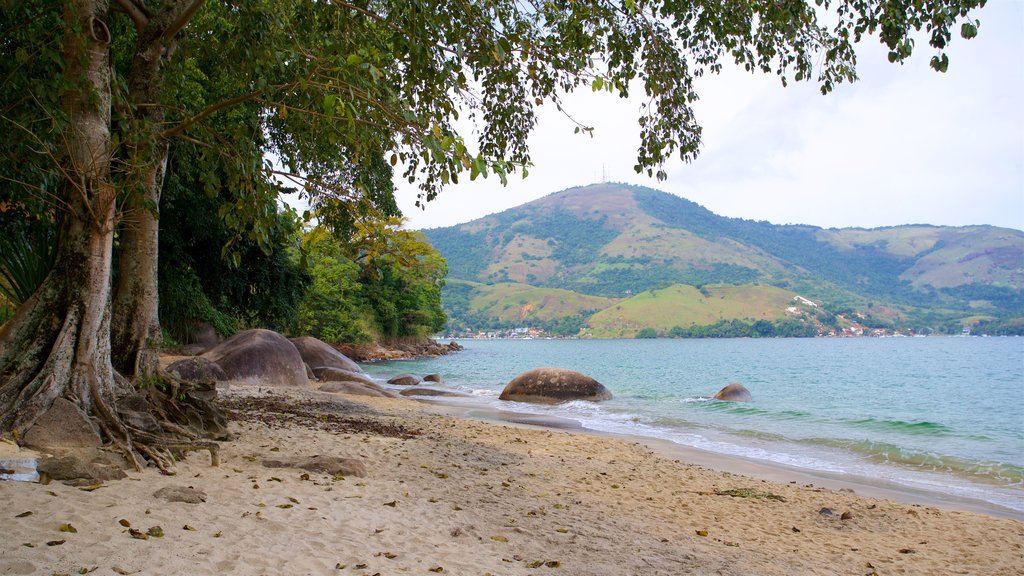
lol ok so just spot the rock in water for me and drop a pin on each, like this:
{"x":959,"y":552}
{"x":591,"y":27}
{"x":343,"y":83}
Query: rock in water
{"x":432,"y":378}
{"x":548,"y":385}
{"x":734,"y":393}
{"x":319,"y":354}
{"x":405,"y":380}
{"x":260,"y":357}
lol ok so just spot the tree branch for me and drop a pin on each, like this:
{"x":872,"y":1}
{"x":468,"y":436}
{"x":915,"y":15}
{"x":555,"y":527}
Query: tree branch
{"x":183,"y":19}
{"x":185,"y":125}
{"x":136,"y":11}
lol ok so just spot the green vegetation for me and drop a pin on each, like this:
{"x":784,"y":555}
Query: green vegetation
{"x":384,"y":283}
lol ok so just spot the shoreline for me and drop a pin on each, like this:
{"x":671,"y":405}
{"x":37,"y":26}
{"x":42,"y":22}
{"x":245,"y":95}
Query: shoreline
{"x":450,"y":494}
{"x":734,"y":464}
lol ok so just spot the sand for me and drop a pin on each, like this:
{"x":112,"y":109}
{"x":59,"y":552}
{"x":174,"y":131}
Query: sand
{"x":455,"y":495}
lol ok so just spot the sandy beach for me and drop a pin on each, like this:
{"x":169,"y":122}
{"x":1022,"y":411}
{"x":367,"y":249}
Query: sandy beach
{"x":447,"y":494}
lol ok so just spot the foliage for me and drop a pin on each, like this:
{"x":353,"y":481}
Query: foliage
{"x":381,"y":282}
{"x":736,"y":328}
{"x":647,"y":333}
{"x":27,"y":251}
{"x":260,"y":286}
{"x":330,"y":309}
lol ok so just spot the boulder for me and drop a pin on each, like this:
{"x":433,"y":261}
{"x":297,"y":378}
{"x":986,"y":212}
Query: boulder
{"x":327,"y":464}
{"x":62,"y":426}
{"x":405,"y":380}
{"x":77,"y":468}
{"x":356,"y":389}
{"x":734,"y":393}
{"x":260,"y":357}
{"x":339,"y":375}
{"x":318,"y":354}
{"x":548,"y":385}
{"x":198,"y":369}
{"x":423,"y":391}
{"x":436,"y":378}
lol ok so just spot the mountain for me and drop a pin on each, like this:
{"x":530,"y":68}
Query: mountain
{"x":617,"y":241}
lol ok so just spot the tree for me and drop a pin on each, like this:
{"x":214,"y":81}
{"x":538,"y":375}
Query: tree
{"x":95,"y":92}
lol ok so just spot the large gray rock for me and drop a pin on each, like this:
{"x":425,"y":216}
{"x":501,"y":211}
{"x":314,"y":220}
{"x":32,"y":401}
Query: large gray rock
{"x":62,"y":426}
{"x":548,"y":385}
{"x":260,"y":357}
{"x":198,"y":369}
{"x":319,"y":354}
{"x":436,"y":378}
{"x":357,"y":389}
{"x":734,"y":393}
{"x":78,"y":467}
{"x":339,"y":375}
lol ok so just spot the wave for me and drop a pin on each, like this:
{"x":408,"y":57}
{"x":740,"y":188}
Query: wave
{"x":1001,"y":473}
{"x":921,"y":428}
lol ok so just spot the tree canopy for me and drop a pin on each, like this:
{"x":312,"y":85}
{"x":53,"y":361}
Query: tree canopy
{"x":330,"y":96}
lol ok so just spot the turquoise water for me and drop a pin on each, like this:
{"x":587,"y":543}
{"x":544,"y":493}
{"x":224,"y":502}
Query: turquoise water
{"x":939,"y":415}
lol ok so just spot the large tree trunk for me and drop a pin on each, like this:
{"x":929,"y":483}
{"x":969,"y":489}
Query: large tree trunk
{"x":58,"y":343}
{"x":136,"y":335}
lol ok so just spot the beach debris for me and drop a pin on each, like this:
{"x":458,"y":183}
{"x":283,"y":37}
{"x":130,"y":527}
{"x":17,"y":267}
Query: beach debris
{"x":734,"y":392}
{"x":91,"y":487}
{"x":702,"y":533}
{"x":846,"y":515}
{"x":393,"y":503}
{"x":189,"y":528}
{"x":186,"y":494}
{"x":138,"y":534}
{"x":155,"y":532}
{"x":437,"y":569}
{"x":124,"y":522}
{"x":796,"y":530}
{"x":122,"y":571}
{"x":547,"y":563}
{"x":907,"y":551}
{"x":66,"y":527}
{"x":55,"y":542}
{"x":24,"y":514}
{"x":499,"y":538}
{"x":750,"y":493}
{"x":278,"y":411}
{"x":826,"y":512}
{"x":87,"y":570}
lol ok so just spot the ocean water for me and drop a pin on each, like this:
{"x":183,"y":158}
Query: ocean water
{"x":941,"y":416}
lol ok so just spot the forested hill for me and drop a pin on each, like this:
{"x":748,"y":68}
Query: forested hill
{"x":615,"y":240}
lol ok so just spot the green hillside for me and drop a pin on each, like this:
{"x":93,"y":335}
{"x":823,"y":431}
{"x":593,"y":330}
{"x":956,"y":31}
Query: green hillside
{"x":617,"y":241}
{"x":684,"y":305}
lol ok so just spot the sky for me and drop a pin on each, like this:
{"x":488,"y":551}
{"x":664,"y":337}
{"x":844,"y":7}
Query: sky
{"x":903,"y":145}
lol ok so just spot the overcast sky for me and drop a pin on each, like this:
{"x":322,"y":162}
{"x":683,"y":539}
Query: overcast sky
{"x":902,"y":145}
